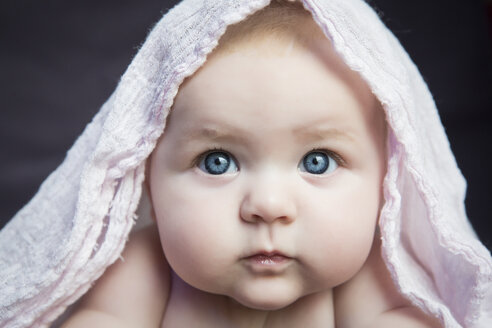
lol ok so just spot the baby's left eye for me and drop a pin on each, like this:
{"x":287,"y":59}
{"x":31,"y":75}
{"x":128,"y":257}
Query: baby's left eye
{"x":318,"y":162}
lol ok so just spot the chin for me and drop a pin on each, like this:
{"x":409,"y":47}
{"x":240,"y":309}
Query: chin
{"x":266,"y":299}
{"x":265,"y":304}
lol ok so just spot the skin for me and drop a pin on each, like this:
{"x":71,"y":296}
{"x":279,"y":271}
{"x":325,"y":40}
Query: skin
{"x":267,"y":105}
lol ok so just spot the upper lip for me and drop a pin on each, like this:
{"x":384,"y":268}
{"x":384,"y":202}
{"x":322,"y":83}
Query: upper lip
{"x":267,"y":253}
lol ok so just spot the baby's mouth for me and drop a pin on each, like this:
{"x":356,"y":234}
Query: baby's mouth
{"x":268,"y":258}
{"x":267,"y":262}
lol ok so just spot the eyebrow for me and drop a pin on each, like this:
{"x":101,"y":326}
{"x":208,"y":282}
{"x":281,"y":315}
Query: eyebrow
{"x":316,"y":132}
{"x":212,"y":133}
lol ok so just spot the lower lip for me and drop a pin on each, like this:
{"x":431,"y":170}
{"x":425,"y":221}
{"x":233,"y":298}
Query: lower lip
{"x":267,"y":263}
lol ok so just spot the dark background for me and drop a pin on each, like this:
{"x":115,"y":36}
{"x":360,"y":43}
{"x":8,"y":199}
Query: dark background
{"x":60,"y":60}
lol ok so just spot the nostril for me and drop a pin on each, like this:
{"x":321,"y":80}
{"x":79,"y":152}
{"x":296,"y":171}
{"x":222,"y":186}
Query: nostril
{"x":256,"y":217}
{"x":285,"y":219}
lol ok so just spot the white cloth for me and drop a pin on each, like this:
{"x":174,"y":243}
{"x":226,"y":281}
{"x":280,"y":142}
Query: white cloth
{"x":78,"y":222}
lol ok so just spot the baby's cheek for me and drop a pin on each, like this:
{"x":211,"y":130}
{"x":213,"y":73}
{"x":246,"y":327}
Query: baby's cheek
{"x":196,"y":243}
{"x":335,"y":258}
{"x":341,"y":238}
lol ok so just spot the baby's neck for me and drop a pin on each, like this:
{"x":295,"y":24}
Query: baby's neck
{"x":222,"y":311}
{"x":313,"y":308}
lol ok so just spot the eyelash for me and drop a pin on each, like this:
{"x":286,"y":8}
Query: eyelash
{"x":197,"y":159}
{"x":338,"y":159}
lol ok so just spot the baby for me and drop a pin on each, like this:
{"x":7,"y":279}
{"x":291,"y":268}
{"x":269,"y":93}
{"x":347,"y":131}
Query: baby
{"x":266,"y":187}
{"x":298,"y":176}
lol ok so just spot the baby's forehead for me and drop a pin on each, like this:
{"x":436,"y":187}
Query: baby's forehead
{"x":305,"y":86}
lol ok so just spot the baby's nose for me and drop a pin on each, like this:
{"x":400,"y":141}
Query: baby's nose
{"x":268,"y":203}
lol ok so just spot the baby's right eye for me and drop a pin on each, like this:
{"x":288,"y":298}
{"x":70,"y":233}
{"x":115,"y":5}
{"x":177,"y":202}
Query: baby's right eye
{"x":217,"y":162}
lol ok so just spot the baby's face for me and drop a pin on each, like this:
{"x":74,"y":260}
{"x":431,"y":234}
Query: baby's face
{"x":266,"y":185}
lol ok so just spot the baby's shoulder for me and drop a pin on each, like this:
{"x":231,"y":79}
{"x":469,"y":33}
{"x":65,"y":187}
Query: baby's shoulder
{"x":133,"y":291}
{"x":375,"y":300}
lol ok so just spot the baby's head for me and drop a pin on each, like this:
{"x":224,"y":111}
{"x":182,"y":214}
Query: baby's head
{"x":266,"y":185}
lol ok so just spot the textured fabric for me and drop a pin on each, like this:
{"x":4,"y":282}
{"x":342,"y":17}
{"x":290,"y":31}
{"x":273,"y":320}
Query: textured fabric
{"x":78,"y":222}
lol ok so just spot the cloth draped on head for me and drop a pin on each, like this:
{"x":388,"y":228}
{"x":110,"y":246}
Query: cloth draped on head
{"x":78,"y":222}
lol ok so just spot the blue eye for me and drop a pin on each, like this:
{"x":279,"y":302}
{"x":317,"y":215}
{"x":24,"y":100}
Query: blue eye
{"x":318,"y":162}
{"x":217,"y":162}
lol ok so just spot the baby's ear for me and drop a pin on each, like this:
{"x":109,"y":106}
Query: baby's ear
{"x":146,"y":193}
{"x":145,"y":210}
{"x":147,"y":197}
